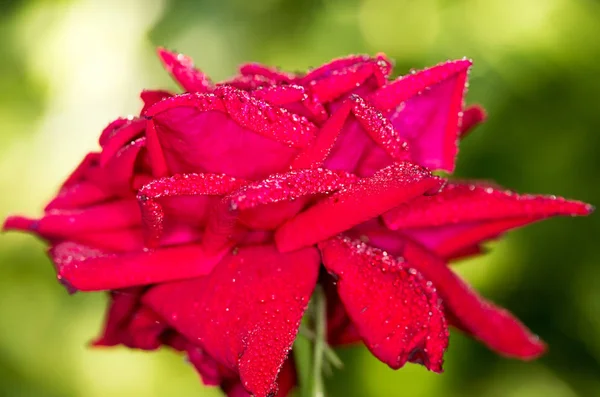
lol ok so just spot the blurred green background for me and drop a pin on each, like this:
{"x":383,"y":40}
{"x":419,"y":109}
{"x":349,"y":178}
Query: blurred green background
{"x":69,"y":67}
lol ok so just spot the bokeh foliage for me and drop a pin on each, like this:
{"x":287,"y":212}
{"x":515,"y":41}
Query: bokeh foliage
{"x":70,"y":66}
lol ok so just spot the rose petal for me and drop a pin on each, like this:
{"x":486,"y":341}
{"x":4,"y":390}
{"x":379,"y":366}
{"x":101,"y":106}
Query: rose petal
{"x":183,"y":71}
{"x":116,"y":175}
{"x":270,"y":202}
{"x":69,"y":223}
{"x":425,"y":108}
{"x":120,"y":137}
{"x":472,"y":117}
{"x":144,"y":330}
{"x":449,"y":241}
{"x":273,"y":74}
{"x":395,"y":311}
{"x":314,"y":155}
{"x":78,"y":195}
{"x":494,"y":326}
{"x":286,"y":382}
{"x":347,"y":141}
{"x":280,"y":94}
{"x":156,"y":155}
{"x":345,"y":76}
{"x":249,"y":82}
{"x":340,"y":329}
{"x":339,"y":64}
{"x":379,"y":129}
{"x":121,"y":306}
{"x":246,"y":313}
{"x":89,"y":269}
{"x":122,"y":240}
{"x":110,"y":129}
{"x":233,"y":134}
{"x":463,"y":215}
{"x":210,"y":371}
{"x":150,"y":97}
{"x":89,"y":162}
{"x":151,"y":195}
{"x":358,"y":203}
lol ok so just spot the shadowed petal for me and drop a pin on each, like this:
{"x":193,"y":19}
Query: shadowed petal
{"x":246,"y":313}
{"x":340,"y":329}
{"x":122,"y":304}
{"x":396,"y":312}
{"x":211,"y":372}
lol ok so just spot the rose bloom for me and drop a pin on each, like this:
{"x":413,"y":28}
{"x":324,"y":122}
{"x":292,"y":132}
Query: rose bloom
{"x":211,"y":217}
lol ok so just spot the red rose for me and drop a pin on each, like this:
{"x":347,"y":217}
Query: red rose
{"x":209,"y":217}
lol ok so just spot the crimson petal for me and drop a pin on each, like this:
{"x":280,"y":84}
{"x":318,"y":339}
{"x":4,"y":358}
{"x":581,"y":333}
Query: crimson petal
{"x":246,"y":313}
{"x":70,"y":223}
{"x":357,"y":203}
{"x":198,"y":185}
{"x":494,"y":326}
{"x":121,"y":240}
{"x":425,"y":107}
{"x":117,"y":174}
{"x":286,"y":382}
{"x":463,"y":215}
{"x":346,"y":75}
{"x":89,"y":162}
{"x":123,"y":303}
{"x":183,"y":71}
{"x":268,"y":203}
{"x":197,"y":133}
{"x":89,"y":269}
{"x":272,"y":74}
{"x":336,"y":65}
{"x":396,"y":312}
{"x":150,"y":97}
{"x":211,"y":372}
{"x":379,"y":128}
{"x":78,"y":195}
{"x":314,"y":155}
{"x":366,"y":138}
{"x":472,"y":117}
{"x":281,"y":95}
{"x":120,"y":137}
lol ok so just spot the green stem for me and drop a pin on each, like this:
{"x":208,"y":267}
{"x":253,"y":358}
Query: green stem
{"x":313,"y":356}
{"x":320,"y":323}
{"x":303,"y":359}
{"x":330,"y":354}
